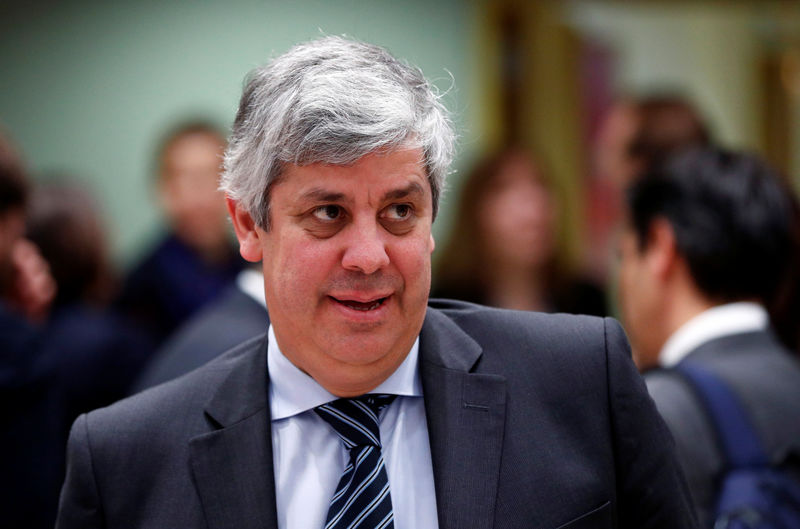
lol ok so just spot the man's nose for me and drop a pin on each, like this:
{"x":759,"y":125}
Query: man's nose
{"x":365,"y":249}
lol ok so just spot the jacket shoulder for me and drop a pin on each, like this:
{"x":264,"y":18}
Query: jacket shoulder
{"x":563,"y":352}
{"x":179,"y":402}
{"x":543,"y":330}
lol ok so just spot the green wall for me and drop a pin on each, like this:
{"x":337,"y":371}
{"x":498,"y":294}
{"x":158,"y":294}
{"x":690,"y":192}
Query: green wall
{"x":88,"y":87}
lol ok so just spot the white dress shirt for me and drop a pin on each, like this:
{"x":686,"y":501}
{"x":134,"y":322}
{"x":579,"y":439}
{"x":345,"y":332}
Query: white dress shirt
{"x":716,"y":322}
{"x":310,"y":457}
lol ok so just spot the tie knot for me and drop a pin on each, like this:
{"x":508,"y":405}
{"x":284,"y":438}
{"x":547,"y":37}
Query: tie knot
{"x":356,"y":420}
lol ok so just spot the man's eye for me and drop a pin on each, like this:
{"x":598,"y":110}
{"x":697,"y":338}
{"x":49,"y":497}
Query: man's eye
{"x":398,"y":211}
{"x":327,"y":213}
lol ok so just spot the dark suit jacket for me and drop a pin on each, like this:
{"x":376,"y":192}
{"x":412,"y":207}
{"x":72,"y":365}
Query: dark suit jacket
{"x":764,"y":375}
{"x":96,"y":354}
{"x":227,"y":321}
{"x":534,"y":421}
{"x":171,"y":283}
{"x":81,"y":359}
{"x":33,"y":426}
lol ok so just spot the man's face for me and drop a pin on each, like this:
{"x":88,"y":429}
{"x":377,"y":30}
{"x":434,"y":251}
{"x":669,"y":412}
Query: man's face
{"x":638,"y":298}
{"x":347,"y":266}
{"x":188,"y":191}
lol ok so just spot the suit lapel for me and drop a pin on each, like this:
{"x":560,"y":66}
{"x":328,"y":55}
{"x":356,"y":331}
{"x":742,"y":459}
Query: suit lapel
{"x":232,"y":464}
{"x":466,"y":421}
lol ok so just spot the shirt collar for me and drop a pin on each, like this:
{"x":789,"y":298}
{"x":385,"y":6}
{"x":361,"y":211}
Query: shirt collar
{"x":292,"y":392}
{"x":716,"y":322}
{"x":251,"y":282}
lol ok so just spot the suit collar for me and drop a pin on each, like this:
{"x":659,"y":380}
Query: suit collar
{"x":762,"y":342}
{"x":466,"y":422}
{"x":713,"y":323}
{"x":243,"y":392}
{"x":444,"y":344}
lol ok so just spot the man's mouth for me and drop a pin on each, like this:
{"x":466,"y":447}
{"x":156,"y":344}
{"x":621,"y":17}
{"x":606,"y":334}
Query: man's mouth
{"x":363,"y":306}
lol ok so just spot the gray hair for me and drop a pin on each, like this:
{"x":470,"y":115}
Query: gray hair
{"x":331,"y":100}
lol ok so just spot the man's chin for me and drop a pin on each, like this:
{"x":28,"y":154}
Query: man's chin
{"x":348,"y":374}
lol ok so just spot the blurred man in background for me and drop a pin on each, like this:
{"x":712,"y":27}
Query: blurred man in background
{"x":706,"y":242}
{"x":31,"y":440}
{"x":25,"y":281}
{"x":238,"y":314}
{"x":636,"y":134}
{"x":196,"y":260}
{"x":95,"y":353}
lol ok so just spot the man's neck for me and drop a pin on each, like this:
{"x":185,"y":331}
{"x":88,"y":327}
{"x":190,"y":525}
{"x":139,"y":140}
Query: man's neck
{"x":679,"y":302}
{"x":687,"y":304}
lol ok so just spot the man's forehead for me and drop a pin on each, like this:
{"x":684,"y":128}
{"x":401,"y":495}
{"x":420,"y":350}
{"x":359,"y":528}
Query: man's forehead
{"x":399,"y":174}
{"x":322,"y":193}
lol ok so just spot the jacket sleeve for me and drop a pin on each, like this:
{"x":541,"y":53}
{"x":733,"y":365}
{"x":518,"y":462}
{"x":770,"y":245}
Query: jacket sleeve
{"x":651,"y":489}
{"x":79,"y":506}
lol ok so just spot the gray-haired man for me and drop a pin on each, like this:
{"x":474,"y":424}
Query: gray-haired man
{"x":362,"y":406}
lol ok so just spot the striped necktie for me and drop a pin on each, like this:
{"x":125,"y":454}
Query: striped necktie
{"x":362,"y":498}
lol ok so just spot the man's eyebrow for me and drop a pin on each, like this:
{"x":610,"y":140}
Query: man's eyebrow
{"x":412,"y":189}
{"x":322,"y":195}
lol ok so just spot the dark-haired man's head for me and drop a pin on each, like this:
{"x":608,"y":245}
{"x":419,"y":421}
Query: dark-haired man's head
{"x":189,"y":165}
{"x":705,"y":228}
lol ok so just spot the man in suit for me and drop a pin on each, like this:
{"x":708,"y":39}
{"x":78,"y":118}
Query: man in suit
{"x":195,"y":261}
{"x":362,"y":406}
{"x":33,"y":421}
{"x":704,"y":249}
{"x":240,"y":313}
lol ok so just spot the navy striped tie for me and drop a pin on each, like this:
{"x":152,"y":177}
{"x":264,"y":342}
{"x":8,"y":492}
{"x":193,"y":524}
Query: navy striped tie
{"x":362,"y":498}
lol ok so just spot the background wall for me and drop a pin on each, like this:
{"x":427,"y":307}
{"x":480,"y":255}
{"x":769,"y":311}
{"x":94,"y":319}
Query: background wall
{"x":87,"y":87}
{"x":713,"y":52}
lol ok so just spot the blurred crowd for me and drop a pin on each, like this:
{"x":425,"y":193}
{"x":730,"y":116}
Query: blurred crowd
{"x":676,"y":223}
{"x":75,"y":335}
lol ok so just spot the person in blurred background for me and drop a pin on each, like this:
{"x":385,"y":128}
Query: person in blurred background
{"x":636,"y":134}
{"x":31,"y":439}
{"x":196,"y":260}
{"x":785,"y":311}
{"x":95,"y":353}
{"x":706,"y":242}
{"x":503,"y":249}
{"x":639,"y":133}
{"x":25,"y":282}
{"x":238,"y":314}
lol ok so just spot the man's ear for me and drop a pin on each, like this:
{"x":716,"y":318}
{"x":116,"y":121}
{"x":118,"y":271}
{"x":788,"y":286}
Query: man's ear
{"x":246,"y":231}
{"x":662,"y":251}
